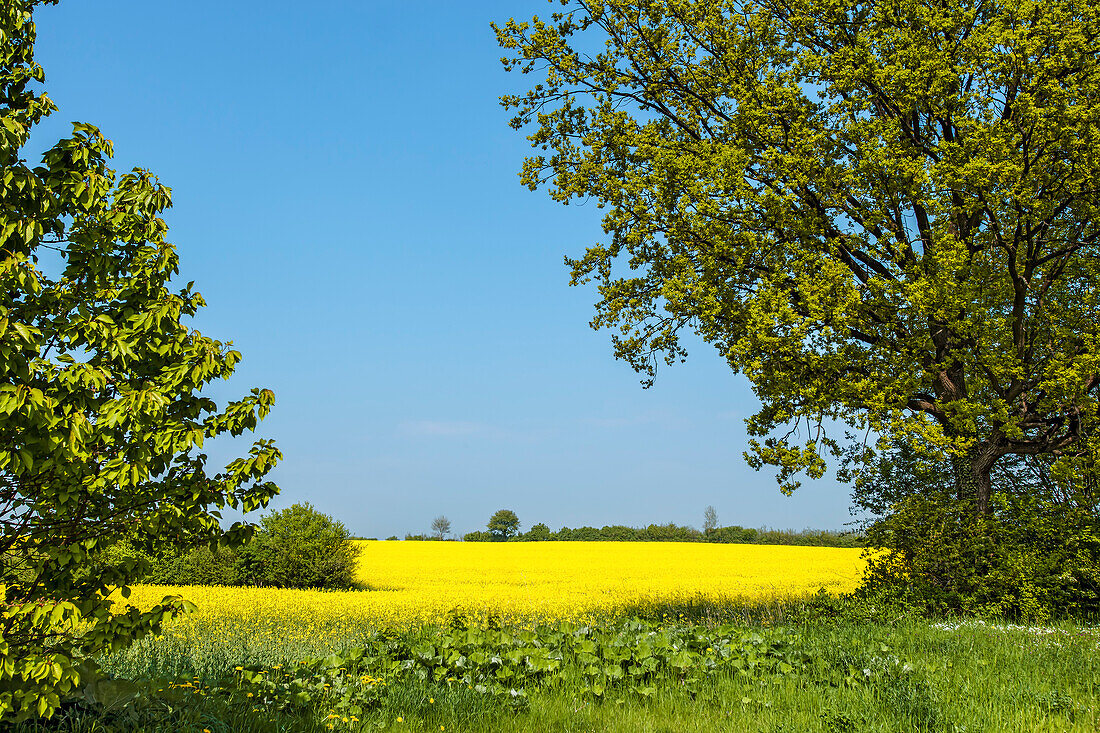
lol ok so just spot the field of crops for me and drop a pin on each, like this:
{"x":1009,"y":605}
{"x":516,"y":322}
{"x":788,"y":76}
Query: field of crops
{"x":416,"y":583}
{"x":386,"y":659}
{"x":424,"y":583}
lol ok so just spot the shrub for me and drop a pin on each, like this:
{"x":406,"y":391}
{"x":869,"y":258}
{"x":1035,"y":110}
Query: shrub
{"x":538,"y":533}
{"x":299,"y":547}
{"x":199,"y":566}
{"x":1036,"y":556}
{"x":669,"y":533}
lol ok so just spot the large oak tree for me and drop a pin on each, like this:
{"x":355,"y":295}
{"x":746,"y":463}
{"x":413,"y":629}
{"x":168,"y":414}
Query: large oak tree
{"x":882,"y":212}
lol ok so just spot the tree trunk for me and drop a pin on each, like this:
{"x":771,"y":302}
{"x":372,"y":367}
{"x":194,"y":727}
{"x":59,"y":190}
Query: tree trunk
{"x":972,"y":480}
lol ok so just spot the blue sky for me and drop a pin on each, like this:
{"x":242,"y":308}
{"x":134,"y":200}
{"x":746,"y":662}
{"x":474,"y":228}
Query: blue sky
{"x":347,"y":200}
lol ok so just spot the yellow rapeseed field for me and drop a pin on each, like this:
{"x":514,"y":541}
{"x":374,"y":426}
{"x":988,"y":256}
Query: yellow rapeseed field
{"x":416,"y":583}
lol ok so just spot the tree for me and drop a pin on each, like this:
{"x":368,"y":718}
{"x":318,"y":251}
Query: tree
{"x":884,"y":214}
{"x":102,"y":416}
{"x":441,"y":526}
{"x":503,"y":524}
{"x":710,"y":520}
{"x":299,"y":547}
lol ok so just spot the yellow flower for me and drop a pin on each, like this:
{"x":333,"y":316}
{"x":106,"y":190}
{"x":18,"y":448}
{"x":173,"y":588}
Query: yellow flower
{"x":400,"y":719}
{"x":431,"y":699}
{"x":517,"y":582}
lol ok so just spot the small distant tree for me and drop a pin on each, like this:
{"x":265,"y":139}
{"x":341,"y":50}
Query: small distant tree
{"x":710,"y":520}
{"x":503,"y":524}
{"x":441,"y":526}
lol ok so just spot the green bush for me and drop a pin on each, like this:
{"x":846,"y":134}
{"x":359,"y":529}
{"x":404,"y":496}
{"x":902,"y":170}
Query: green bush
{"x":299,"y":547}
{"x":199,"y":566}
{"x":1031,"y":559}
{"x":538,"y":533}
{"x":1035,"y":557}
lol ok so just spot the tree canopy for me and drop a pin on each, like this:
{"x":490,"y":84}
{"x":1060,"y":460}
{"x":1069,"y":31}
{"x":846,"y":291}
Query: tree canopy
{"x":503,"y":524}
{"x":102,"y":415}
{"x":884,"y":214}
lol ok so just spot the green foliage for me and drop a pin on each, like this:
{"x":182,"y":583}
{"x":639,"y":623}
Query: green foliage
{"x":627,"y":657}
{"x":178,"y":566}
{"x":675,"y":533}
{"x":1035,"y":557}
{"x":198,"y":566}
{"x":538,"y":533}
{"x":883,"y":214}
{"x":299,"y":547}
{"x":102,"y":415}
{"x":735,"y":534}
{"x":503,"y":524}
{"x":899,"y":675}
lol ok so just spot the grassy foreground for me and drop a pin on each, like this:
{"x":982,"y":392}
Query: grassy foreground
{"x":585,"y":637}
{"x":669,"y":674}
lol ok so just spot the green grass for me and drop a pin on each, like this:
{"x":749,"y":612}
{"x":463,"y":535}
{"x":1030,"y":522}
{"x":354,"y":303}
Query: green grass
{"x":908,"y":675}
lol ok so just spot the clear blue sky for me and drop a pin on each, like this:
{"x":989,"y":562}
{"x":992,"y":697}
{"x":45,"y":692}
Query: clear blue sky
{"x":347,"y":200}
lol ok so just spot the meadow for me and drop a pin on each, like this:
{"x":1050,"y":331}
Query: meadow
{"x":586,"y":637}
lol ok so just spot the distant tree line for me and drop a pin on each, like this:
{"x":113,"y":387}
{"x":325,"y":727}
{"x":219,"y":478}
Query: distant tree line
{"x":674,"y":533}
{"x":504,"y":526}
